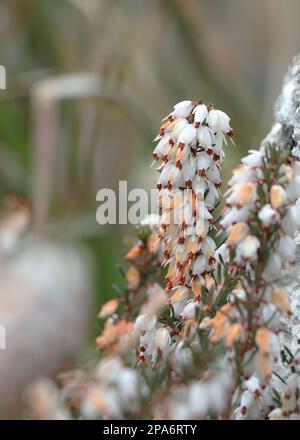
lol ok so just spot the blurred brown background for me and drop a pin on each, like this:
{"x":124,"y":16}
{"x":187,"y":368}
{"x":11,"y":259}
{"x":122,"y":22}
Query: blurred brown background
{"x":88,"y":82}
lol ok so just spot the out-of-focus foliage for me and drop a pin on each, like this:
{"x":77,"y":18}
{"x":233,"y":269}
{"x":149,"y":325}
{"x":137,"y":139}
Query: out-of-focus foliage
{"x":148,"y":54}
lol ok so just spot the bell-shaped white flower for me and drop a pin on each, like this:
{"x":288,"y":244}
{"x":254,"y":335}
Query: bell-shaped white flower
{"x":218,"y":121}
{"x":200,"y":113}
{"x":188,"y":135}
{"x":205,"y":137}
{"x":162,"y":339}
{"x":182,"y":109}
{"x":268,"y":216}
{"x":248,"y":248}
{"x":254,"y":159}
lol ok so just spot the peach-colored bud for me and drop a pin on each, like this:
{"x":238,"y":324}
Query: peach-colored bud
{"x":237,"y":233}
{"x":281,"y":300}
{"x":277,"y":196}
{"x":245,"y":193}
{"x":262,"y":339}
{"x":108,"y":308}
{"x":132,"y":277}
{"x":233,"y":334}
{"x":134,"y":252}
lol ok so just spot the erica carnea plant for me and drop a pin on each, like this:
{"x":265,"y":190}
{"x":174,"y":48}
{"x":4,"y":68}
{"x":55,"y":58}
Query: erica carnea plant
{"x":197,"y":331}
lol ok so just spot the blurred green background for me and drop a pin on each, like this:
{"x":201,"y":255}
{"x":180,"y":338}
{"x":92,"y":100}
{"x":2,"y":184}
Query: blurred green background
{"x":126,"y":63}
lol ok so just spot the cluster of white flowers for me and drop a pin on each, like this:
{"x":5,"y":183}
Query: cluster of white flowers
{"x":195,"y":401}
{"x":114,"y":391}
{"x":190,"y":149}
{"x":290,"y":398}
{"x":207,"y":344}
{"x":261,"y":218}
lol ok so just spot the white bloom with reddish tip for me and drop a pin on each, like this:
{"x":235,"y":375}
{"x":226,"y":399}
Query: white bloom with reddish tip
{"x":205,"y":137}
{"x":189,"y":311}
{"x":246,"y":400}
{"x":254,"y":159}
{"x":253,"y":386}
{"x":162,"y":146}
{"x":200,"y":113}
{"x":203,"y":161}
{"x":179,"y":125}
{"x":200,"y":265}
{"x":182,"y":109}
{"x":188,"y":135}
{"x":218,"y":121}
{"x":268,"y":216}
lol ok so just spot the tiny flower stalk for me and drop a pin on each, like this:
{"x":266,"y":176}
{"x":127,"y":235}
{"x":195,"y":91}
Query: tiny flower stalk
{"x":190,"y":153}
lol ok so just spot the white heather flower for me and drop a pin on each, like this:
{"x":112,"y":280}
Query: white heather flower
{"x":247,"y":400}
{"x":191,"y":162}
{"x":223,"y":250}
{"x":208,"y":247}
{"x":144,"y":322}
{"x":205,"y":137}
{"x":291,"y":220}
{"x":253,"y":385}
{"x":248,"y":248}
{"x":189,"y":311}
{"x":178,"y":126}
{"x":277,"y":414}
{"x":200,"y":265}
{"x":162,"y":339}
{"x":254,"y":159}
{"x":200,"y":113}
{"x":182,"y":109}
{"x":188,"y":135}
{"x":218,"y":121}
{"x":241,"y":174}
{"x":127,"y":383}
{"x":242,"y":193}
{"x":203,"y":161}
{"x":198,"y":399}
{"x":162,"y":147}
{"x":287,"y":248}
{"x":268,"y":216}
{"x":235,"y":215}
